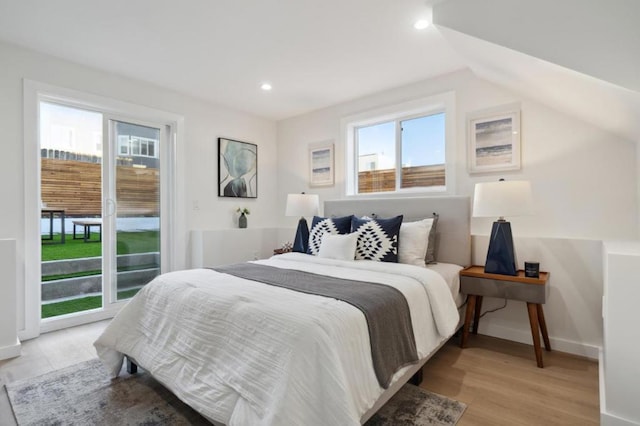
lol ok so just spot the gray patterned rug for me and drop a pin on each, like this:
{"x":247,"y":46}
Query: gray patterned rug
{"x":83,"y":394}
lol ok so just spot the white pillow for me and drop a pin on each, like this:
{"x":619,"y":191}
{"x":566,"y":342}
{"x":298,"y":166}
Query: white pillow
{"x":414,"y":240}
{"x":338,"y":246}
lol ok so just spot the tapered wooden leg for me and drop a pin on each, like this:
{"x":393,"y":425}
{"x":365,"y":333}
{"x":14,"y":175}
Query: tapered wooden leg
{"x":543,"y":327}
{"x":535,"y":332}
{"x":476,"y":317}
{"x":471,"y":304}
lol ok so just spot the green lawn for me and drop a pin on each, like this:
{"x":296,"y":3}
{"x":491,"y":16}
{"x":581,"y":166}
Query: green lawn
{"x":127,"y":243}
{"x":82,"y":304}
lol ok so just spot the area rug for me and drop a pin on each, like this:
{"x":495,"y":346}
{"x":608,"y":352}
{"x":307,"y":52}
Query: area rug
{"x":84,"y":394}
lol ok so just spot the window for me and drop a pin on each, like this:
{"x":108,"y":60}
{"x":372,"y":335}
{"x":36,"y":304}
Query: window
{"x":401,"y":149}
{"x":123,"y":145}
{"x":137,"y":146}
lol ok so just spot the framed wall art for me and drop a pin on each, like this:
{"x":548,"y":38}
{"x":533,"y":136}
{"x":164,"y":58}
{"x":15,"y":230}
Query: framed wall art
{"x":237,"y":169}
{"x":494,"y":139}
{"x":321,"y":168}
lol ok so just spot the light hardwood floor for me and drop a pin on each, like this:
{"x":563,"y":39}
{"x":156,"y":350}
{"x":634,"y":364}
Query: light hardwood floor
{"x":501,"y":384}
{"x":497,"y":379}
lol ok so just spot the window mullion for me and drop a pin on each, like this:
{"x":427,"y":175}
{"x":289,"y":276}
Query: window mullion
{"x":356,"y":156}
{"x":398,"y":154}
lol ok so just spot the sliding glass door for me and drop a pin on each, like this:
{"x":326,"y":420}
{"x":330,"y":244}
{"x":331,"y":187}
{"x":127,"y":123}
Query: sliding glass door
{"x":100,"y":207}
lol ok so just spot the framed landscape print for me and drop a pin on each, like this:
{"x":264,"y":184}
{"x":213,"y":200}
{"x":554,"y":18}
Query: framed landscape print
{"x":494,"y":139}
{"x":237,"y":169}
{"x":321,"y":165}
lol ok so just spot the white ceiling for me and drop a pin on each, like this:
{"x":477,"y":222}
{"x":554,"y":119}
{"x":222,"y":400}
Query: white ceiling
{"x":321,"y":53}
{"x":314,"y":53}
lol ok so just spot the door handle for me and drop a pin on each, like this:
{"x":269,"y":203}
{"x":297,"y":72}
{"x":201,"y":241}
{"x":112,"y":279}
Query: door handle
{"x":110,"y":207}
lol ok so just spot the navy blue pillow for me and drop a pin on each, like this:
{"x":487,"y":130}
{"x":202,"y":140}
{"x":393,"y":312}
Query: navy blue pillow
{"x":324,"y":225}
{"x":378,"y":239}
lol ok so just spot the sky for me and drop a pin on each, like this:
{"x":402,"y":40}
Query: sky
{"x":422,"y":141}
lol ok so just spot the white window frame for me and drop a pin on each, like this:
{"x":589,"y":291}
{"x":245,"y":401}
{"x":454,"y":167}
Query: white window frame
{"x":444,"y":102}
{"x":172,"y":246}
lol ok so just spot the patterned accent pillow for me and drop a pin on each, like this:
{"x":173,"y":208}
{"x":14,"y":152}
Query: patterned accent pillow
{"x":323,"y":225}
{"x":378,"y":239}
{"x":431,"y":248}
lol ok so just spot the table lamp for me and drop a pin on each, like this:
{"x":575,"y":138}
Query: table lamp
{"x":502,"y":199}
{"x":302,"y":205}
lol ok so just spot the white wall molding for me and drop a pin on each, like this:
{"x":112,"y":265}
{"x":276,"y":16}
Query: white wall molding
{"x":215,"y":247}
{"x":619,"y":370}
{"x":9,"y":343}
{"x":524,"y":336}
{"x":11,"y":351}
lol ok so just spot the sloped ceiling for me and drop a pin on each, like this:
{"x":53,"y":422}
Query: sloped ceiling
{"x":581,"y":58}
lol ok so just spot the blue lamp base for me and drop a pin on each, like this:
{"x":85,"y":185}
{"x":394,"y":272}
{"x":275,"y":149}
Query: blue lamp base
{"x":301,"y":242}
{"x":501,"y":257}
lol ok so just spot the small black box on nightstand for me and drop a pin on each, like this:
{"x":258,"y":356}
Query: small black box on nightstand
{"x":532,"y":269}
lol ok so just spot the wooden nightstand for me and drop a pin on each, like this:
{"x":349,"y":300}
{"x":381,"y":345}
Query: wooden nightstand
{"x":476,"y":284}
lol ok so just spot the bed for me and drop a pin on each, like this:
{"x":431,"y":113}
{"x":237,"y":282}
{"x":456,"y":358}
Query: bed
{"x":241,"y":352}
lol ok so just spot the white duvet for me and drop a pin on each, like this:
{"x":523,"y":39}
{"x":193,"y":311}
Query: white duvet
{"x":246,"y":353}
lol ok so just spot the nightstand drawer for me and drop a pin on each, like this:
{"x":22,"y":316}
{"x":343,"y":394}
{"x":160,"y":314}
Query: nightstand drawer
{"x":532,"y":293}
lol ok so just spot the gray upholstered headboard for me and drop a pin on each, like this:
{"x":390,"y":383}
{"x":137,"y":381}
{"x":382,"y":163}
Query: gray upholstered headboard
{"x":453,"y":239}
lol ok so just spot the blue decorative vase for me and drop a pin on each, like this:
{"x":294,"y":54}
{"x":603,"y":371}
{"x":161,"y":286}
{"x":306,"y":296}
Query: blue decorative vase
{"x":242,"y":221}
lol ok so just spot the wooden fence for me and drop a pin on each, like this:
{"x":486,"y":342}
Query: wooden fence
{"x":385,"y":180}
{"x":76,"y":187}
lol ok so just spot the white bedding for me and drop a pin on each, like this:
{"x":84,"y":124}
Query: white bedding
{"x":451,"y":274}
{"x":246,"y":353}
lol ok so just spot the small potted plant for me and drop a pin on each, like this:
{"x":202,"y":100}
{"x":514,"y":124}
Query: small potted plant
{"x":242,"y":220}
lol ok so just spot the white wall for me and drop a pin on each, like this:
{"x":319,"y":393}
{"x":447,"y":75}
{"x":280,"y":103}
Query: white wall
{"x":584,"y":182}
{"x":198,"y":202}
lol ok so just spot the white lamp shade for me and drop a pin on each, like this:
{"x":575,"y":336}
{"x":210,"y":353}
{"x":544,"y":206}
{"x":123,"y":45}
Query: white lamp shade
{"x":503,"y":198}
{"x":302,"y":205}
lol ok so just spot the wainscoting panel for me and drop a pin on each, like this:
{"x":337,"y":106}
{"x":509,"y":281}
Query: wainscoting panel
{"x":9,"y":343}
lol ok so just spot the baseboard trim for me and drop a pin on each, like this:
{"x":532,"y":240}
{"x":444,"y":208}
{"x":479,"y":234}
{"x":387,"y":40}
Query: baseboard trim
{"x":11,"y":351}
{"x":607,"y":419}
{"x":521,"y":336}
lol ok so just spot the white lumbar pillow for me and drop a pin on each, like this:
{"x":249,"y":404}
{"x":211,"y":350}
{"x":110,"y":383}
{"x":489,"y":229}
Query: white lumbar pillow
{"x":338,"y":246}
{"x":414,"y":240}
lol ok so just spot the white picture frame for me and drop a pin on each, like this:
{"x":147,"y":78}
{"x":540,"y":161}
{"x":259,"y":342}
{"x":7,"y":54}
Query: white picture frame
{"x":321,"y":165}
{"x":494,"y":139}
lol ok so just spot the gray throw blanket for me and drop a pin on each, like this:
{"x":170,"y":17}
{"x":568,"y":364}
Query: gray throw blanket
{"x":385,"y":308}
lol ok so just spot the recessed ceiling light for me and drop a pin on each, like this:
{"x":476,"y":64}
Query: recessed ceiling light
{"x":266,"y":87}
{"x":421,"y":24}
